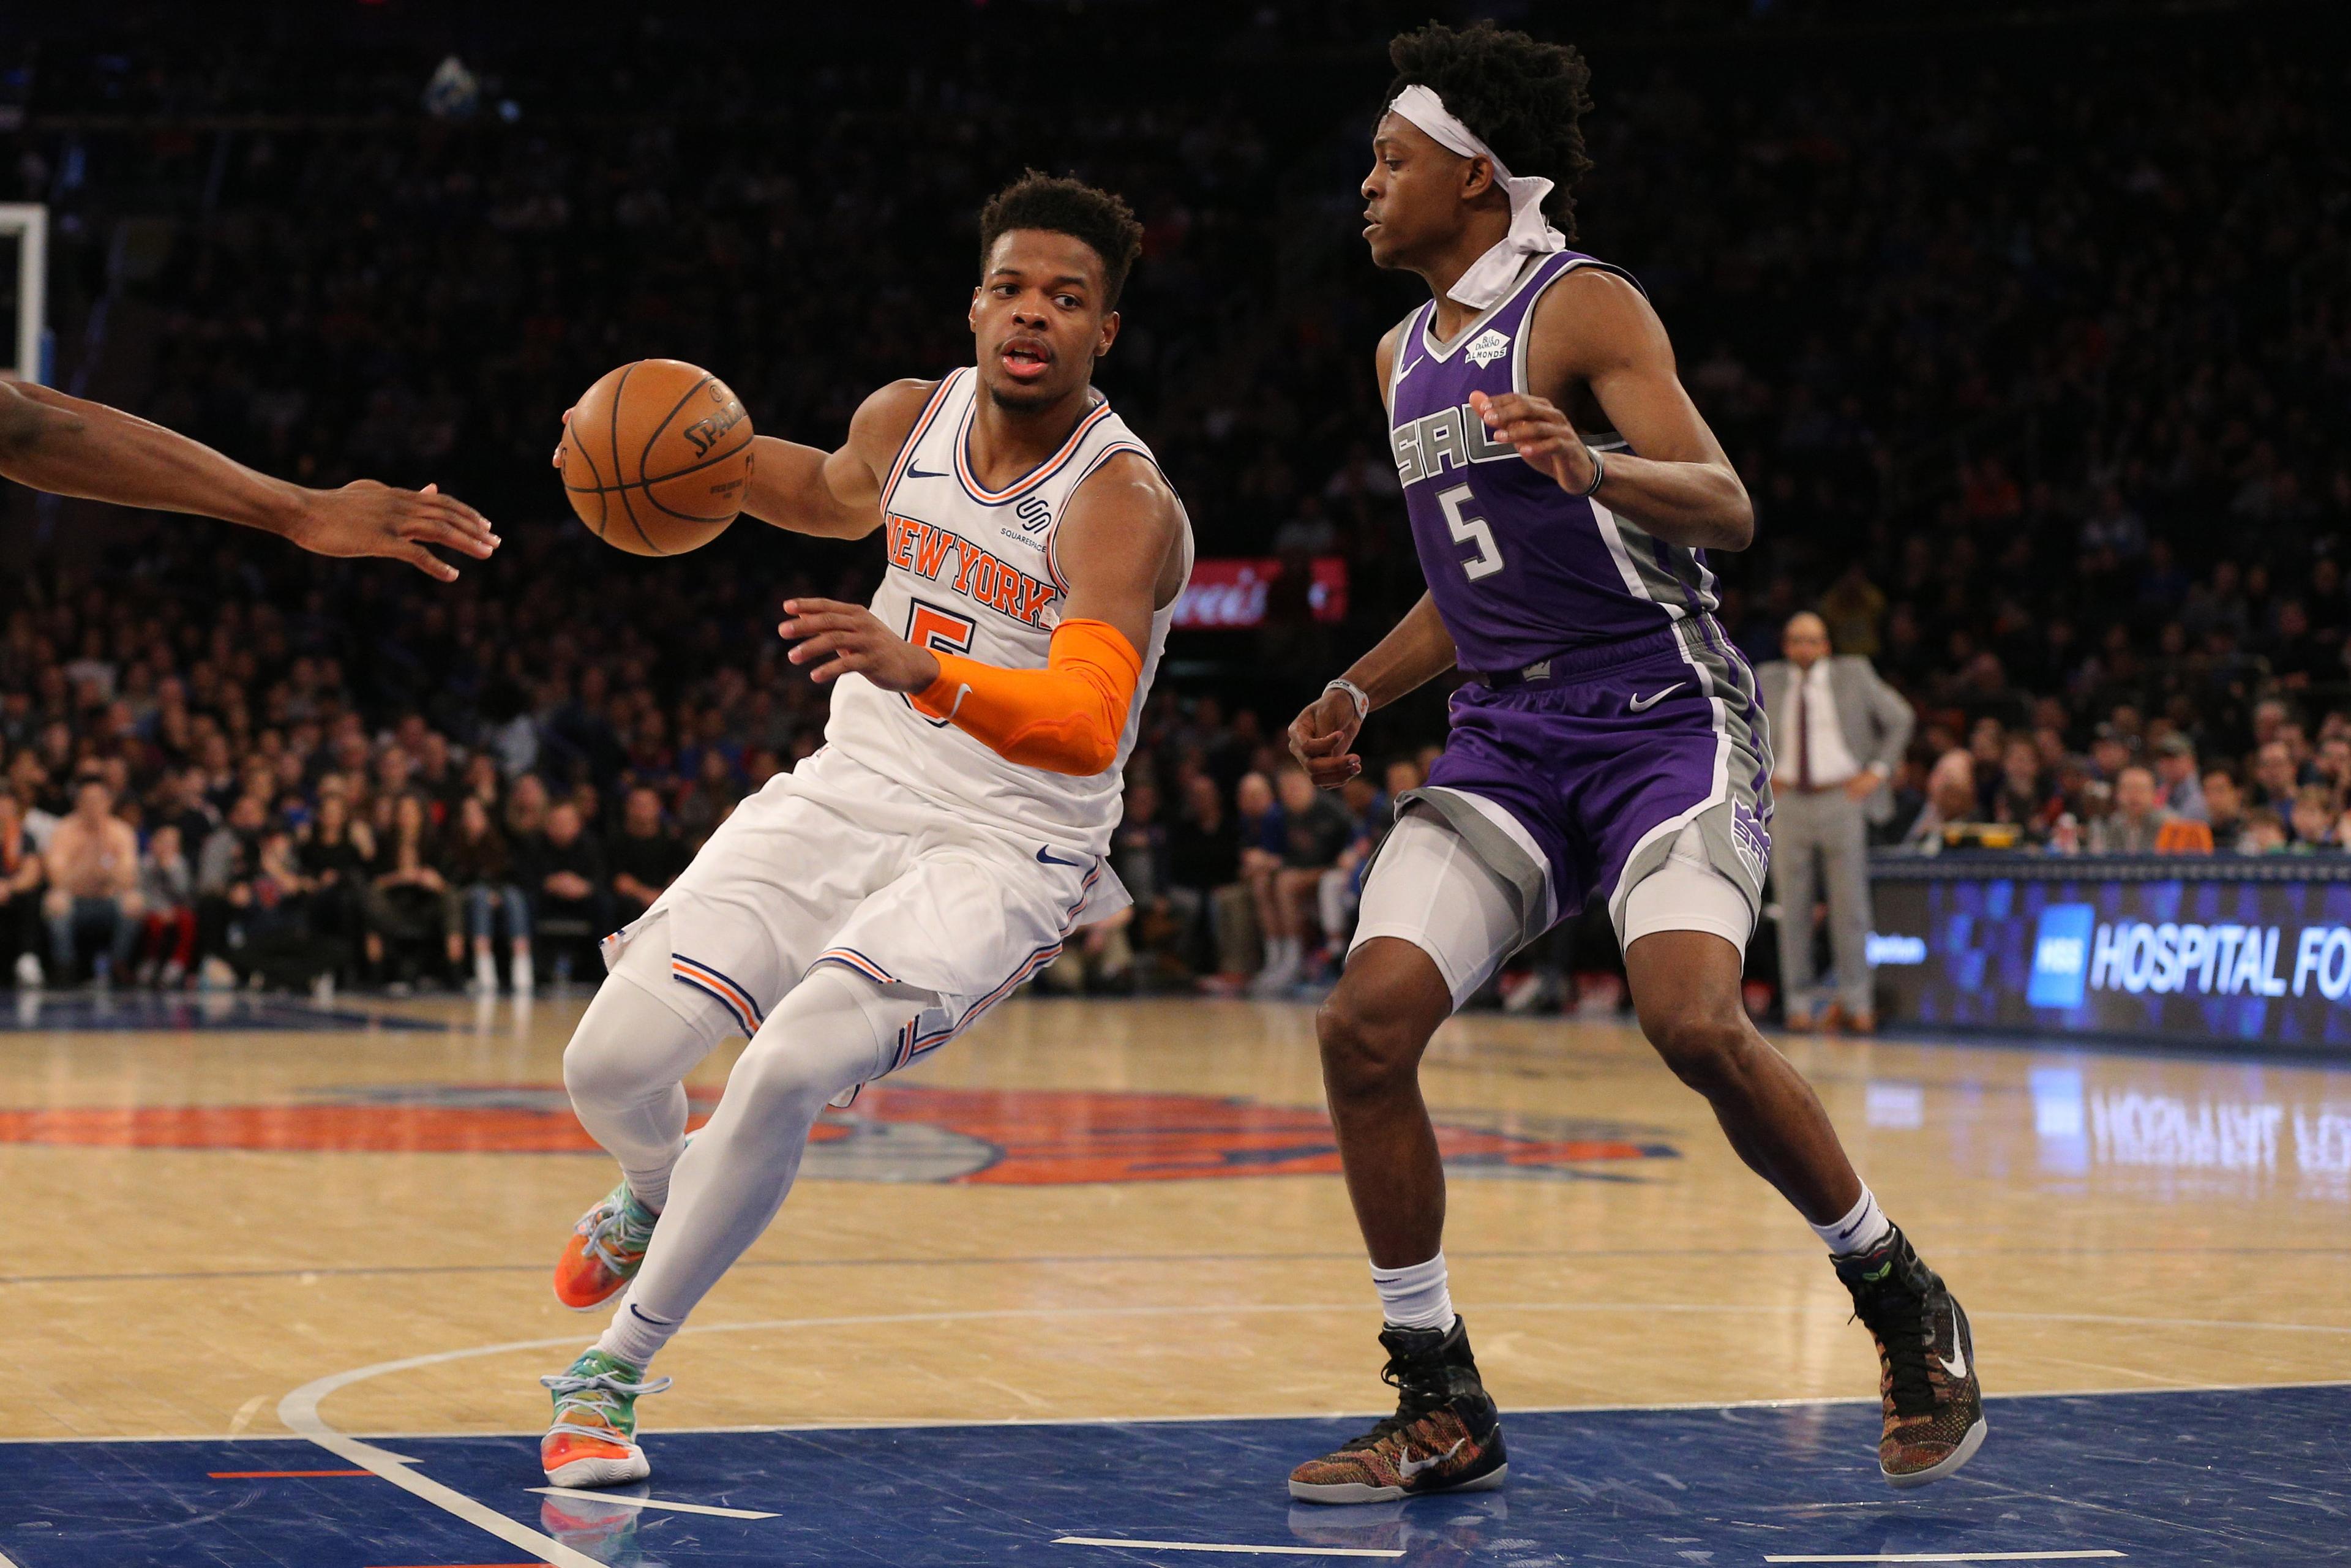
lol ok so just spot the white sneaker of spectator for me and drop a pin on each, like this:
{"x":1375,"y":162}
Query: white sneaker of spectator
{"x":28,"y":972}
{"x":1281,"y":971}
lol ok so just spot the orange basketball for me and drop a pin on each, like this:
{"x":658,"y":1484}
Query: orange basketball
{"x":656,"y":457}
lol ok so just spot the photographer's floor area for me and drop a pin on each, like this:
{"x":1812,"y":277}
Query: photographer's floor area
{"x":1084,"y":1287}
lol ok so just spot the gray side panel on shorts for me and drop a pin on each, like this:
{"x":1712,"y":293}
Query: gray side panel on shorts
{"x":1527,"y":879}
{"x":1729,"y":846}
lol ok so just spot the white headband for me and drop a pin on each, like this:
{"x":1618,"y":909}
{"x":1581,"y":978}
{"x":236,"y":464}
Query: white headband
{"x":1490,"y":275}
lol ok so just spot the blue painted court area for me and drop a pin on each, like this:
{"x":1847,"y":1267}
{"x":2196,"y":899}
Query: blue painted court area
{"x":2239,"y":1476}
{"x":47,"y":1010}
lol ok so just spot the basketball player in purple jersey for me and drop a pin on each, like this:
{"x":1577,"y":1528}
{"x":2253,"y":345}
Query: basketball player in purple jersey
{"x":1608,"y":744}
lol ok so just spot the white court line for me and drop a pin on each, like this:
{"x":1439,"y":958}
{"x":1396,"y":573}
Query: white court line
{"x":1956,"y":1557}
{"x":298,"y":1411}
{"x":623,"y":1499}
{"x":1195,"y":1546}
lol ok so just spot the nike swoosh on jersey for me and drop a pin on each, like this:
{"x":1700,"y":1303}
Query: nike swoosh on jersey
{"x":1955,"y":1368}
{"x":1407,"y":1469}
{"x":1050,"y":858}
{"x":914,"y":473}
{"x":1639,"y":704}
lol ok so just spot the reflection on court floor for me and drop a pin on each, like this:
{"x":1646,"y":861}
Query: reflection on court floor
{"x":2238,"y":1477}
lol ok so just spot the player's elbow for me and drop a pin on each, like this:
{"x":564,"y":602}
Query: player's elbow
{"x":1736,"y":518}
{"x":1079,"y":746}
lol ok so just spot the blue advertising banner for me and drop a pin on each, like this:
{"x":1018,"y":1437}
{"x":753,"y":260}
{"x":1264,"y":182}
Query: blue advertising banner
{"x":2128,"y":948}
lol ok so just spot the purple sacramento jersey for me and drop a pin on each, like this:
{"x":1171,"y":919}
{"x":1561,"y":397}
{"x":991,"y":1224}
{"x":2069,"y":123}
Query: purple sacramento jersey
{"x":1607,"y":711}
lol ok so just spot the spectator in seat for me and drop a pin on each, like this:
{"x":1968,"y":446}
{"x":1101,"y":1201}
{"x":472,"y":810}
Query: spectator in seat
{"x":168,"y":884}
{"x":2019,"y":797}
{"x":1314,"y":828}
{"x":1951,"y":799}
{"x":20,"y":892}
{"x":2224,"y":807}
{"x":230,"y":853}
{"x":2137,"y":819}
{"x":280,"y":949}
{"x":1138,"y":855}
{"x":2276,"y":778}
{"x":525,"y":822}
{"x":481,"y":897}
{"x":566,"y":881}
{"x":402,"y":902}
{"x":645,"y":855}
{"x":2311,"y":826}
{"x":1205,"y":884}
{"x":2175,"y":780}
{"x":93,"y":870}
{"x":1339,"y":891}
{"x":338,"y":852}
{"x":2264,"y":832}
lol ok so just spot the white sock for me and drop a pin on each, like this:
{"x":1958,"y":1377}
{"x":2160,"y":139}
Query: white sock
{"x":1862,"y":1228}
{"x":1414,"y":1297}
{"x":650,"y":1185}
{"x":634,"y":1336}
{"x":485,"y":969}
{"x":522,"y":975}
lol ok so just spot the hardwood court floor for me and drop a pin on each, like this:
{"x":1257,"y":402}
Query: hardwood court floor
{"x":1101,"y":1209}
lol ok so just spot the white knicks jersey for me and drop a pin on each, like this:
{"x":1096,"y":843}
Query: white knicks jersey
{"x":971,"y":572}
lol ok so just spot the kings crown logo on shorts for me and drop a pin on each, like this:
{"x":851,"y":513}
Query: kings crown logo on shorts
{"x":1750,"y":839}
{"x":1487,"y":347}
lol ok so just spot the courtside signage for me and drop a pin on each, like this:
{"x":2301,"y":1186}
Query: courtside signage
{"x":2209,"y":960}
{"x":2061,"y":955}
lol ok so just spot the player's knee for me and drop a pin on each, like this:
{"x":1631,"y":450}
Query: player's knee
{"x":1705,"y":1052}
{"x":779,"y":1087}
{"x":615,"y":1055}
{"x":1368,"y":1050}
{"x":596,"y":1068}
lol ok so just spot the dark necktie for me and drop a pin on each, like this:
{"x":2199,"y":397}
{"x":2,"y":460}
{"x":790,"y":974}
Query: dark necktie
{"x":1803,"y":736}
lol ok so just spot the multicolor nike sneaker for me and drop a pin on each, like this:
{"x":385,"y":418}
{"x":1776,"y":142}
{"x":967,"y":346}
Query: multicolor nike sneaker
{"x":1927,"y":1374}
{"x":593,"y":1441}
{"x":1444,"y":1437}
{"x":606,"y":1249}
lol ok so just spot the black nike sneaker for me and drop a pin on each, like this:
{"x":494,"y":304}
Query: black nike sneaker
{"x":1927,"y":1374}
{"x":1445,"y":1435}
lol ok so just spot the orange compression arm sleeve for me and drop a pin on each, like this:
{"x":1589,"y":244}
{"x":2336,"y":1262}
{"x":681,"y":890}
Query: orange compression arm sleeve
{"x":1064,"y":719}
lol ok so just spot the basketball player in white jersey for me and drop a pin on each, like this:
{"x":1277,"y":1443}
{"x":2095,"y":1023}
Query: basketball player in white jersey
{"x":866,"y":907}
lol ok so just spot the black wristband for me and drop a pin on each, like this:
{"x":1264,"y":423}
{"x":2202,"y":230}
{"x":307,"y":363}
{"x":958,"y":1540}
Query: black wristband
{"x":1599,"y":473}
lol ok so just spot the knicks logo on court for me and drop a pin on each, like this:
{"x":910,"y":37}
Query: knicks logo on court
{"x":923,"y":548}
{"x":1016,"y":1137}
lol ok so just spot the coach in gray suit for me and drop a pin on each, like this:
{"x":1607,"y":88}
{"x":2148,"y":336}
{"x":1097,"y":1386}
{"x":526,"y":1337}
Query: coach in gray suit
{"x":1837,"y":731}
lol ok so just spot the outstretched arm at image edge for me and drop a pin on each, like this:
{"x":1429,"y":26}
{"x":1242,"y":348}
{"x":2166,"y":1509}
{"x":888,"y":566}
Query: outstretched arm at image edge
{"x":71,"y":446}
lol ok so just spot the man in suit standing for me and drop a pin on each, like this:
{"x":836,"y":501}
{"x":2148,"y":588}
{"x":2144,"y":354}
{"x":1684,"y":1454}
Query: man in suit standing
{"x":1837,"y":731}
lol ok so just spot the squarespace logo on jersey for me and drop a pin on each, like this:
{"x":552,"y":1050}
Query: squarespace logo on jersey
{"x":2073,"y":954}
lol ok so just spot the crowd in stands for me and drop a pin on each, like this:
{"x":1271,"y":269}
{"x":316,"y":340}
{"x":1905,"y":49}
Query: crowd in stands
{"x":2032,"y":340}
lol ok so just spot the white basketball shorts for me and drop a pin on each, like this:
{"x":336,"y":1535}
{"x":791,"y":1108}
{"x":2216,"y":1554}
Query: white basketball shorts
{"x":834,"y":864}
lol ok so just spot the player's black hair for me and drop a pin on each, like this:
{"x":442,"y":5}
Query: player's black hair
{"x":1040,"y":201}
{"x":1522,"y":97}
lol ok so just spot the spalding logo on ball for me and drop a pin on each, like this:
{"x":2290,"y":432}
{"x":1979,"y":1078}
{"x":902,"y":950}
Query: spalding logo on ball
{"x":656,"y":457}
